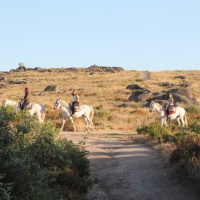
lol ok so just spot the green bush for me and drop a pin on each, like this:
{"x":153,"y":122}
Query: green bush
{"x":135,"y":106}
{"x":155,"y":130}
{"x":193,"y":109}
{"x":35,"y":164}
{"x":139,"y":80}
{"x":186,"y":157}
{"x":100,"y":112}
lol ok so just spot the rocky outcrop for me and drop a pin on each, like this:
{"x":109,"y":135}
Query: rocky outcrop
{"x":91,"y":69}
{"x":134,"y":87}
{"x":104,"y":69}
{"x":182,"y":95}
{"x":51,"y":88}
{"x":3,"y":78}
{"x":181,"y":77}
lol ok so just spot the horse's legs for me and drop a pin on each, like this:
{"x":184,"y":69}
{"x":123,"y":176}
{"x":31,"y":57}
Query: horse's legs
{"x":72,"y":121}
{"x":86,"y":120}
{"x":91,"y":125}
{"x":40,"y":119}
{"x":178,"y":120}
{"x":62,"y":125}
{"x":168,"y":120}
{"x":182,"y":121}
{"x":165,"y":122}
{"x":162,"y":122}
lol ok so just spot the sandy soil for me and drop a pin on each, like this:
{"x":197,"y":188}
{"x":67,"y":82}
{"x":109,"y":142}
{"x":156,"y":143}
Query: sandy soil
{"x":126,"y":171}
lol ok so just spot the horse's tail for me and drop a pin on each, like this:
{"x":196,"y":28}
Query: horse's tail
{"x":185,"y":119}
{"x":43,"y":113}
{"x":91,"y":115}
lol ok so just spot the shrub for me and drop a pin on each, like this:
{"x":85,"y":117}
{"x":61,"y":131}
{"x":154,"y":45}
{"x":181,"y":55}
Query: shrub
{"x":35,"y":164}
{"x":186,"y":140}
{"x":193,"y":109}
{"x":154,"y":130}
{"x":139,"y":80}
{"x":100,"y":112}
{"x":135,"y":106}
{"x":187,"y":154}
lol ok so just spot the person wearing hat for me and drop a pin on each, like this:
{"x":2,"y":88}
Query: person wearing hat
{"x":75,"y":100}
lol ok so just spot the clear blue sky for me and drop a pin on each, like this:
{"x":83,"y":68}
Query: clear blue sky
{"x":151,"y":35}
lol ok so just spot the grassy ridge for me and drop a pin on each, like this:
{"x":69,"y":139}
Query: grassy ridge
{"x":106,"y":92}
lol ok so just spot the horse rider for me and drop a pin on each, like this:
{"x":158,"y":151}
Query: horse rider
{"x":75,"y":100}
{"x":25,"y":100}
{"x":170,"y":102}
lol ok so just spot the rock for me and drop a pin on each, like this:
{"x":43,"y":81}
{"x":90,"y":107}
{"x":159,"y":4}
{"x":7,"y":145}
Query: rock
{"x":17,"y":82}
{"x":185,"y":84}
{"x":3,"y":78}
{"x":51,"y":88}
{"x":104,"y":69}
{"x":134,"y":87}
{"x":181,"y":77}
{"x":135,"y":96}
{"x":167,"y":84}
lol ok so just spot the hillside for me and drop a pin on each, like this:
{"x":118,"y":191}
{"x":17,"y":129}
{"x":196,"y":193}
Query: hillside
{"x":103,"y":88}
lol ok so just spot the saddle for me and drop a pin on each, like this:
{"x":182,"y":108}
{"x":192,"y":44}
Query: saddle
{"x":171,"y":110}
{"x":26,"y":105}
{"x":77,"y":107}
{"x":29,"y":106}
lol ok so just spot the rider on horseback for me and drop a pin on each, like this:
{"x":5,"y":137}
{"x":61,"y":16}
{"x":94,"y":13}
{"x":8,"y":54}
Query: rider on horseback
{"x":75,"y":101}
{"x":170,"y":103}
{"x":25,"y":100}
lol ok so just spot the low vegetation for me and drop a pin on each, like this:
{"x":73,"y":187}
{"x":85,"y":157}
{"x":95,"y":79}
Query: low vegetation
{"x":35,"y":164}
{"x":185,"y":154}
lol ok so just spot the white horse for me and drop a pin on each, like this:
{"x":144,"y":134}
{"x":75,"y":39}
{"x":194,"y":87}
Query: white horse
{"x":36,"y":109}
{"x":178,"y":113}
{"x":85,"y":110}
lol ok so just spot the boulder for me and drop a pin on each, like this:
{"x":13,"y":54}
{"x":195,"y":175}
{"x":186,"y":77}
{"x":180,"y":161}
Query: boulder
{"x":51,"y":88}
{"x":181,"y":77}
{"x":134,"y":87}
{"x":3,"y":78}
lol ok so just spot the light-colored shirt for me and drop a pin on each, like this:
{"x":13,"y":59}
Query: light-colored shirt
{"x":74,"y":98}
{"x":170,"y":100}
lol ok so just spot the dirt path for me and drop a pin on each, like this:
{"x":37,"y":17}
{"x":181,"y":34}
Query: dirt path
{"x":127,"y":171}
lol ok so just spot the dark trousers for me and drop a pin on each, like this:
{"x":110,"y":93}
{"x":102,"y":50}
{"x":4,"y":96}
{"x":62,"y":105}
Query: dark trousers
{"x":24,"y":104}
{"x":73,"y":106}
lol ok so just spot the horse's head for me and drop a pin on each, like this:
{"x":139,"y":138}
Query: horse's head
{"x":6,"y":102}
{"x":57,"y":104}
{"x":152,"y":106}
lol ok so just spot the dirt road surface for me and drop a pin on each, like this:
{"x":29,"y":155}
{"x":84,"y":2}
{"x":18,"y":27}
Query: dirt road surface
{"x":123,"y":170}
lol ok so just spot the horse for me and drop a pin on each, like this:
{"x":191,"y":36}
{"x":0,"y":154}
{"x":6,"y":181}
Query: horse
{"x":177,"y":113}
{"x":86,"y":111}
{"x":35,"y":109}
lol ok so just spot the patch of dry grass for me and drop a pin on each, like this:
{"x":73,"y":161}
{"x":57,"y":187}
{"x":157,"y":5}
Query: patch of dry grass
{"x":106,"y":91}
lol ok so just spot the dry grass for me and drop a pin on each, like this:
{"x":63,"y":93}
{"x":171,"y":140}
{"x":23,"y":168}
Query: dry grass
{"x":106,"y":92}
